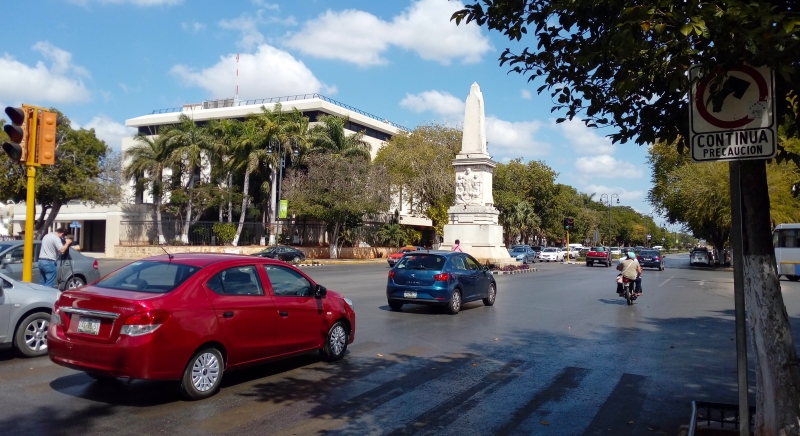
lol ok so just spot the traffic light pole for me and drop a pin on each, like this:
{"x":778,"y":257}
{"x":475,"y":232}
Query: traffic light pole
{"x":30,"y":213}
{"x":30,"y":201}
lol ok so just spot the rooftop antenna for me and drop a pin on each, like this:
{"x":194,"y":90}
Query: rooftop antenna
{"x":236,"y":97}
{"x":165,"y":251}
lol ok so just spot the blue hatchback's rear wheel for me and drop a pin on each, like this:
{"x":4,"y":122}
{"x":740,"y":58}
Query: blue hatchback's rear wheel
{"x":395,"y":305}
{"x":455,"y":303}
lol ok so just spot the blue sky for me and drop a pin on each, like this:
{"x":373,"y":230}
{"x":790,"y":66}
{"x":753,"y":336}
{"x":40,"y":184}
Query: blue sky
{"x":104,"y":61}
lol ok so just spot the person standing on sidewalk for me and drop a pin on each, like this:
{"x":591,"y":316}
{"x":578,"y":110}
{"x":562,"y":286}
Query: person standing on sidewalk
{"x":52,"y":247}
{"x":457,"y":247}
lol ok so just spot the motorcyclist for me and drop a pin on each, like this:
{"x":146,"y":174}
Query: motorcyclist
{"x":632,"y":271}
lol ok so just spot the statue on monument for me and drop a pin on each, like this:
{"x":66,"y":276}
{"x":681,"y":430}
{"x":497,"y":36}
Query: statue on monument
{"x":468,"y":188}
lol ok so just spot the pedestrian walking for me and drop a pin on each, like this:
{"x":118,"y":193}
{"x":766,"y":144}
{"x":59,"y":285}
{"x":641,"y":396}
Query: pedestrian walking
{"x":457,"y":247}
{"x":52,"y":247}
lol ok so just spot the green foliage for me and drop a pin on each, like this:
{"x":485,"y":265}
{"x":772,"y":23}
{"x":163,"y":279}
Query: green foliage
{"x":392,"y":235}
{"x":624,"y":63}
{"x":225,"y":232}
{"x":329,"y":137}
{"x":419,"y":164}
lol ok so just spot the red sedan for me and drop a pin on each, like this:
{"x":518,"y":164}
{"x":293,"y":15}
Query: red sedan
{"x":190,"y":317}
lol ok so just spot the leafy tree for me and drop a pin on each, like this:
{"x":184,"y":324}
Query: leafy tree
{"x":82,"y":172}
{"x":532,"y":182}
{"x":249,"y":155}
{"x":420,"y":167}
{"x":337,"y":190}
{"x":329,"y":137}
{"x":624,"y":64}
{"x":145,"y":163}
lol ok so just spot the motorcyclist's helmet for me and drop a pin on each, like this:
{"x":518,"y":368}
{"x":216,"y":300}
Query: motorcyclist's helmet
{"x":631,"y":255}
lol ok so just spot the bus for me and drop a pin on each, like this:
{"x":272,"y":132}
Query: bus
{"x":786,"y":240}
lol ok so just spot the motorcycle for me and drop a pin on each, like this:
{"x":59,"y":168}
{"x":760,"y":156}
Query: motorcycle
{"x":628,"y":290}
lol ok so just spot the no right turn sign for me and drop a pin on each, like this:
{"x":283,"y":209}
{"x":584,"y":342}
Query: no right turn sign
{"x":735,"y":121}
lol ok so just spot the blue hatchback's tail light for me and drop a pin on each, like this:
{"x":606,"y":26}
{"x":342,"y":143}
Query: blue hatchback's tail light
{"x":443,"y":277}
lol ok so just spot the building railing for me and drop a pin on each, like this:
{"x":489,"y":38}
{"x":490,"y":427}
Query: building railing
{"x":716,"y":416}
{"x":232,"y":103}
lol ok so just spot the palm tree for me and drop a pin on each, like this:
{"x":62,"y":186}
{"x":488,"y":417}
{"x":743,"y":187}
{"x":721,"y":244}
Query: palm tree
{"x":250,"y":154}
{"x":226,"y":133}
{"x":188,"y":145}
{"x":289,"y":129}
{"x":524,"y":220}
{"x":147,"y":158}
{"x":329,"y":137}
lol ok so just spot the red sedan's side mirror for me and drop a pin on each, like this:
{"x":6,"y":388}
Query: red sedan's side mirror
{"x":321,"y":291}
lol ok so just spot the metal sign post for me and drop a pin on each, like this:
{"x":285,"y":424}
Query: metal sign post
{"x":738,"y":297}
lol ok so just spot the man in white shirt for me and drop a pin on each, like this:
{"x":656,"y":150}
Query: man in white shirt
{"x":52,"y":247}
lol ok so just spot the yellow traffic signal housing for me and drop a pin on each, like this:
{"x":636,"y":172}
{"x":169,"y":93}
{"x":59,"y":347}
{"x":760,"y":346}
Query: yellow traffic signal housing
{"x":17,"y":145}
{"x":46,"y":139}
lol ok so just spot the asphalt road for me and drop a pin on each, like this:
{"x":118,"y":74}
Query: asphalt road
{"x":559,"y":353}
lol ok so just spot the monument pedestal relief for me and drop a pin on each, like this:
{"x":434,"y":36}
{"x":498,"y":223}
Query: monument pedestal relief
{"x":473,"y":218}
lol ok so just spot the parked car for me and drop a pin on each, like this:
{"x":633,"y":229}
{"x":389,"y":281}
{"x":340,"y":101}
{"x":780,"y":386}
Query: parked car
{"x":651,"y":259}
{"x":282,"y":252}
{"x":523,"y":253}
{"x":552,"y":254}
{"x":573,"y":252}
{"x":601,"y":255}
{"x":190,"y":317}
{"x":393,"y":258}
{"x":74,"y":271}
{"x":615,"y":251}
{"x":538,"y":249}
{"x":440,"y":278}
{"x":701,"y":256}
{"x":25,"y":315}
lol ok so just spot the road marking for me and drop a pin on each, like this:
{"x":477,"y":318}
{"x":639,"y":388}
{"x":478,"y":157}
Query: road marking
{"x":702,"y":282}
{"x":665,"y":281}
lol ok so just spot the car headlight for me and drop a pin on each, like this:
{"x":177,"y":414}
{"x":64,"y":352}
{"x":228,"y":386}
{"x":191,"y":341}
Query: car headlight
{"x":350,"y":303}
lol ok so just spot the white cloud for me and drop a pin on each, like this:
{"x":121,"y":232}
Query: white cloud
{"x":133,"y":2}
{"x":442,"y":103}
{"x":61,"y":82}
{"x":193,"y":27}
{"x":605,"y":166}
{"x":269,"y":72}
{"x":362,"y":38}
{"x":584,"y":139}
{"x":248,"y":27}
{"x":525,"y":94}
{"x":108,"y":130}
{"x":514,"y":139}
{"x":267,"y":5}
{"x":626,"y":197}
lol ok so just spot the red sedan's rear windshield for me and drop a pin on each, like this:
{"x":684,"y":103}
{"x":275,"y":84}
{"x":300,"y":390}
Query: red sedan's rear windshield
{"x":430,"y":262}
{"x":147,"y":276}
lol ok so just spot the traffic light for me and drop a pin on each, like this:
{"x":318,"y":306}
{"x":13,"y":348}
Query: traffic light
{"x":568,"y":223}
{"x":46,"y":139}
{"x":16,"y":146}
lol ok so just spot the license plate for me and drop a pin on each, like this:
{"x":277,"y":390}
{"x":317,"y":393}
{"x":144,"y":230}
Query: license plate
{"x":90,"y":326}
{"x":410,"y":294}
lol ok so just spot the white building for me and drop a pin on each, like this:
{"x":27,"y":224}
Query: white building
{"x":107,"y":225}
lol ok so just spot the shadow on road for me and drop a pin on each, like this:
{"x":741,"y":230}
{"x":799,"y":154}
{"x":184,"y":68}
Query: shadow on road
{"x":665,"y":362}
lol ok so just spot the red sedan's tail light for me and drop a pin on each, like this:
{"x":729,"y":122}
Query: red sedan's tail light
{"x":638,"y":257}
{"x":94,"y":264}
{"x":658,"y":258}
{"x":142,"y":323}
{"x":391,"y":274}
{"x":443,"y":277}
{"x":55,"y":317}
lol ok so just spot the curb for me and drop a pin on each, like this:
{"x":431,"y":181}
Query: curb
{"x":519,"y":271}
{"x":303,"y":265}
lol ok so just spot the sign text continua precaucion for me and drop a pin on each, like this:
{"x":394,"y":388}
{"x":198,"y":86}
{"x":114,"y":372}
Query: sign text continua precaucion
{"x":738,"y":143}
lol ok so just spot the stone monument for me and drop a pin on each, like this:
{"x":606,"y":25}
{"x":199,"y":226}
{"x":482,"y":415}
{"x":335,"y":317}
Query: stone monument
{"x":473,"y":219}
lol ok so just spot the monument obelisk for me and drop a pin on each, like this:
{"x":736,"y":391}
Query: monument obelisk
{"x":473,"y":219}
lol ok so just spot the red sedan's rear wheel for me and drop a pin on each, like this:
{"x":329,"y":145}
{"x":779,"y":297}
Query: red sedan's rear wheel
{"x":203,"y":374}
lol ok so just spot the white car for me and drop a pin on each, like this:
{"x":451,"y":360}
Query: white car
{"x":552,"y":254}
{"x":573,"y":252}
{"x":615,"y":251}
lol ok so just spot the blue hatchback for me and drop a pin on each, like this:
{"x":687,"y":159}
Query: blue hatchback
{"x":443,"y":278}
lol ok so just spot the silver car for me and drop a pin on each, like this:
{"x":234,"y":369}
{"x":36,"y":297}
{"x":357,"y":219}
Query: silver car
{"x":25,"y":315}
{"x":74,"y":272}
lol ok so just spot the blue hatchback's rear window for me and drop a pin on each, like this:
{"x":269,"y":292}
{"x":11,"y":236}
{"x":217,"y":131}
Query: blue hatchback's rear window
{"x":429,"y":262}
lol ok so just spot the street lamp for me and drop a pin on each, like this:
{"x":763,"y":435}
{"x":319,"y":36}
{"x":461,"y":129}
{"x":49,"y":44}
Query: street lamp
{"x":271,"y":145}
{"x":608,"y":201}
